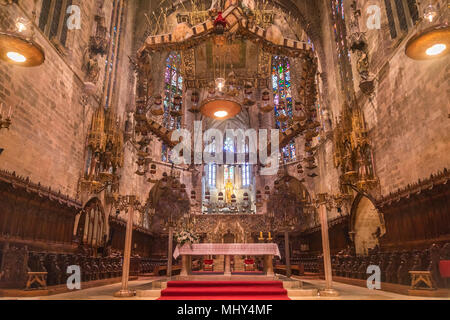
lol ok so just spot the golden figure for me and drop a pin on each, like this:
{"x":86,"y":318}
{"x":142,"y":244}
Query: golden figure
{"x":228,"y":191}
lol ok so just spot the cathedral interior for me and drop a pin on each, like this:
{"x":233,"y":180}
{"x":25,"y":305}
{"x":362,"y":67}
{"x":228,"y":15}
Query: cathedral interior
{"x":133,"y":129}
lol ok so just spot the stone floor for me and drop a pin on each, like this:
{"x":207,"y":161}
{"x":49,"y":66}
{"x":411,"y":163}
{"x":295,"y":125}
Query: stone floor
{"x":349,"y":292}
{"x":346,"y":292}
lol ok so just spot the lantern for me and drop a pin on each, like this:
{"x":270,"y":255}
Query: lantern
{"x":207,"y":195}
{"x":153,"y":169}
{"x":220,"y":198}
{"x":220,"y":24}
{"x":233,"y":199}
{"x":267,"y":190}
{"x":246,"y":196}
{"x":195,"y":97}
{"x":193,"y":195}
{"x":177,"y":100}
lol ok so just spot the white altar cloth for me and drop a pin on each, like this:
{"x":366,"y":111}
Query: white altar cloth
{"x":228,"y":249}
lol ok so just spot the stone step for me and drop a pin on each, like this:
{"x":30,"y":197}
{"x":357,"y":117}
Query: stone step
{"x":292,"y":293}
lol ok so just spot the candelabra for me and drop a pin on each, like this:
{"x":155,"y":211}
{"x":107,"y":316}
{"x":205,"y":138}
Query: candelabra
{"x":325,"y":202}
{"x":130,"y":203}
{"x":262,"y":239}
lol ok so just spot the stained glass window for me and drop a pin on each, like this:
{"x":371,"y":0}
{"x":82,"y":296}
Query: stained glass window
{"x":212,"y":173}
{"x":282,"y":98}
{"x":228,"y":146}
{"x":173,"y":86}
{"x":52,"y":20}
{"x":112,"y":60}
{"x":402,"y":8}
{"x":342,"y":51}
{"x":390,"y":17}
{"x":228,"y":173}
{"x":401,"y":15}
{"x":413,"y":10}
{"x":246,"y":170}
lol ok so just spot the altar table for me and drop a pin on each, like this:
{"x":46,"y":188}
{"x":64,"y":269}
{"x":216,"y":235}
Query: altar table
{"x":268,"y":250}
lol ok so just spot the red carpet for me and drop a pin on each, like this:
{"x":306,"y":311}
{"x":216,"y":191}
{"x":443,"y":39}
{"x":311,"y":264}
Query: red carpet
{"x":224,"y":290}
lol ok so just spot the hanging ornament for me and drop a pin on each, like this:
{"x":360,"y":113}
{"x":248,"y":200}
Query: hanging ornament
{"x":220,"y":24}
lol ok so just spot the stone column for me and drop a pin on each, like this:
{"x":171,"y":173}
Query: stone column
{"x":287,"y":254}
{"x":227,"y":265}
{"x":268,"y":265}
{"x":125,"y":292}
{"x":184,"y":266}
{"x":170,"y":253}
{"x":329,"y":291}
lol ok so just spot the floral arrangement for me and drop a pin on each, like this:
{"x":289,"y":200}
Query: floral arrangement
{"x":186,"y":236}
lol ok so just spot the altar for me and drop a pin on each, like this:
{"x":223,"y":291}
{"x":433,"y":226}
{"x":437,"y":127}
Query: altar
{"x":268,"y":250}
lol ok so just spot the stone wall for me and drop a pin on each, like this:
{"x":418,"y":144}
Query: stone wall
{"x":49,"y":123}
{"x":408,"y":116}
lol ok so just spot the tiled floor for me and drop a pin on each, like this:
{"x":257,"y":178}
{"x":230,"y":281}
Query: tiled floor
{"x":347,"y":292}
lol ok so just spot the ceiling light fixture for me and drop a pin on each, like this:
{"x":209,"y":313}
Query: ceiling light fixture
{"x":220,"y":109}
{"x":433,"y":41}
{"x":16,"y":57}
{"x":18,"y":47}
{"x":221,"y":114}
{"x":436,"y":49}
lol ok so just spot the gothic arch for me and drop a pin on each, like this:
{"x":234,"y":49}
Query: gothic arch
{"x":91,"y":225}
{"x":366,"y":224}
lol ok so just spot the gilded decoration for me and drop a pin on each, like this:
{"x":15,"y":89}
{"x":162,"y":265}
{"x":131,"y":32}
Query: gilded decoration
{"x":353,"y":152}
{"x":241,"y":225}
{"x":105,"y":148}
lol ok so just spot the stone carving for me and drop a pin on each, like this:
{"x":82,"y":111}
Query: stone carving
{"x":91,"y":67}
{"x":358,"y":44}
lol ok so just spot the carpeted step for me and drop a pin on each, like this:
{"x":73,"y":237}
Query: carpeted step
{"x":236,"y":298}
{"x":278,"y":284}
{"x":224,"y":290}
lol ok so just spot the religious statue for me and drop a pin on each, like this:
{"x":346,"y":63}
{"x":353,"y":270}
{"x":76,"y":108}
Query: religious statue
{"x":228,"y":191}
{"x":363,"y":65}
{"x":91,"y":66}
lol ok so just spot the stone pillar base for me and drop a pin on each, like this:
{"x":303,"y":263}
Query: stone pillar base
{"x":329,"y":293}
{"x":184,"y":266}
{"x":124,"y":294}
{"x":268,"y":266}
{"x":227,"y":266}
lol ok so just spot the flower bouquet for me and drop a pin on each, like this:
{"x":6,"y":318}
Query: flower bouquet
{"x":186,"y":237}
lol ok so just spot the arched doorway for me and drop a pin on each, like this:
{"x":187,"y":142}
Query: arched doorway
{"x":229,"y":237}
{"x":367,"y":225}
{"x":91,"y":229}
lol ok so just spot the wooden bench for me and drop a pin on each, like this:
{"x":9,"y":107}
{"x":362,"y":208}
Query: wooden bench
{"x":298,"y":268}
{"x":37,"y":277}
{"x":424,"y":277}
{"x":162,"y":270}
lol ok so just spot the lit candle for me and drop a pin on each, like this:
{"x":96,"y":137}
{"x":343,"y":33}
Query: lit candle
{"x":1,"y":109}
{"x":270,"y":235}
{"x":260,"y":235}
{"x":10,"y":112}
